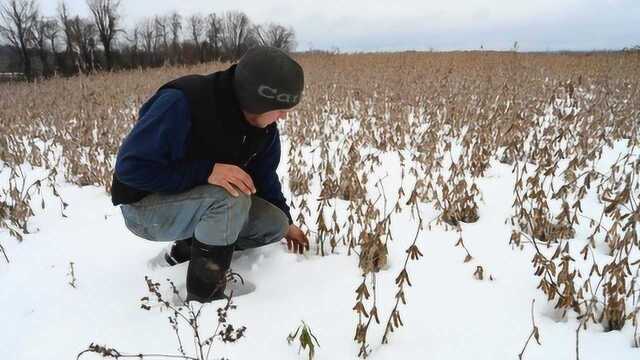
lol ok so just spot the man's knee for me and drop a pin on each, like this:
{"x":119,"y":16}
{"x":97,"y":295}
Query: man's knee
{"x":283,"y":225}
{"x":219,"y":197}
{"x":225,"y":217}
{"x":276,"y":225}
{"x":238,"y":205}
{"x":271,"y":227}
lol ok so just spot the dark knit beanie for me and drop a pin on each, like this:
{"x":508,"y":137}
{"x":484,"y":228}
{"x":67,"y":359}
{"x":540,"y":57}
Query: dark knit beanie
{"x":266,"y":79}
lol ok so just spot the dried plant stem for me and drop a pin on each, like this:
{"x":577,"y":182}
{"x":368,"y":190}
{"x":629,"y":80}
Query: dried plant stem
{"x":578,"y":341}
{"x":4,"y":253}
{"x":400,"y":280}
{"x":534,"y":333}
{"x":72,"y":273}
{"x":117,"y":355}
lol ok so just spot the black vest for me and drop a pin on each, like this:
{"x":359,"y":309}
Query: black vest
{"x":219,"y":130}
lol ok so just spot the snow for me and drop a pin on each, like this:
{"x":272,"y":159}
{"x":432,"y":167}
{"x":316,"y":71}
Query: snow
{"x":449,"y":314}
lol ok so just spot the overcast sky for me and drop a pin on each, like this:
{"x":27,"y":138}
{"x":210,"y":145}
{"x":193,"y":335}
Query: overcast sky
{"x":361,"y":25}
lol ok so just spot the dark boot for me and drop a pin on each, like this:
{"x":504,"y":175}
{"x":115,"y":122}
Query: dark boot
{"x":179,"y":253}
{"x":206,"y":275}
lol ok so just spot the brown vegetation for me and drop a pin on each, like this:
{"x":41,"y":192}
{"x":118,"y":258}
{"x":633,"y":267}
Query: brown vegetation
{"x":446,"y":117}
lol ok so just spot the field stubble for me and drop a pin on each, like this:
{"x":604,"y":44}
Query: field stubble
{"x":447,"y":116}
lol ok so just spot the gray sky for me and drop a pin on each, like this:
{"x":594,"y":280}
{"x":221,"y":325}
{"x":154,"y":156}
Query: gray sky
{"x":361,"y":25}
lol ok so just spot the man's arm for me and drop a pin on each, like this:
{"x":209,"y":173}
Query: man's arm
{"x":263,"y":172}
{"x":151,"y":157}
{"x":269,"y":188}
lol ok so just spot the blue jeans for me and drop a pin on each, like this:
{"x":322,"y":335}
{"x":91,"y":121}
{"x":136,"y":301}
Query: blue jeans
{"x":210,"y":214}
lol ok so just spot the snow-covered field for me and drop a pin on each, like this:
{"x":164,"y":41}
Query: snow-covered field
{"x":449,"y":314}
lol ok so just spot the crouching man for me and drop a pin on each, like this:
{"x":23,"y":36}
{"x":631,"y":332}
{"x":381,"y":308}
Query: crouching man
{"x":199,"y":167}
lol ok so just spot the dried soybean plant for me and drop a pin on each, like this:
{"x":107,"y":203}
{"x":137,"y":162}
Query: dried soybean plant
{"x":307,"y":340}
{"x":550,"y":124}
{"x":186,"y":313}
{"x":560,"y":169}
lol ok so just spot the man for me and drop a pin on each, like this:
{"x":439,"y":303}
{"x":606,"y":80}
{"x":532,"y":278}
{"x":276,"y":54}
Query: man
{"x":199,"y":167}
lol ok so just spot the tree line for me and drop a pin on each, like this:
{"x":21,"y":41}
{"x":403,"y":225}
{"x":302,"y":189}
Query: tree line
{"x":67,"y":43}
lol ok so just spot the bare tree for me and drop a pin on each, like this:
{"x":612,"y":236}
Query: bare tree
{"x":156,"y":40}
{"x":44,"y":31}
{"x":106,"y":18}
{"x":260,"y":34}
{"x":175,"y":23}
{"x":17,"y":21}
{"x":147,"y":34}
{"x":51,"y":33}
{"x":162,"y":34}
{"x":83,"y":36}
{"x":214,"y":29}
{"x":133,"y":45}
{"x":275,"y":35}
{"x":148,"y":37}
{"x":196,"y":27}
{"x":65,"y":24}
{"x":236,"y":34}
{"x":70,"y":60}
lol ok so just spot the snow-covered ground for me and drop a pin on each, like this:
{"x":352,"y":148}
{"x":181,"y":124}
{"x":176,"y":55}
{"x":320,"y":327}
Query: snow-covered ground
{"x":449,"y":315}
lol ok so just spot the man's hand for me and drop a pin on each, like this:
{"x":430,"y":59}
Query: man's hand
{"x":296,"y":240}
{"x":228,"y":176}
